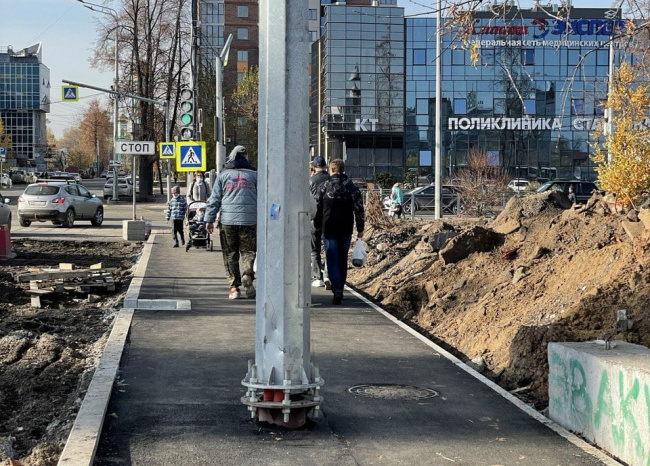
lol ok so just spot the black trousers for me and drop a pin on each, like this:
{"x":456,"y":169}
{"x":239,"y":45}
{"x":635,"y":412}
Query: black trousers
{"x":178,"y":229}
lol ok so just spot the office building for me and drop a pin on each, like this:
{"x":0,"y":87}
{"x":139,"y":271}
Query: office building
{"x":357,"y":98}
{"x":24,"y":103}
{"x":526,"y":88}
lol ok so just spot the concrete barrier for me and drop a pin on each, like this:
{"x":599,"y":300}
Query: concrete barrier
{"x":604,"y":395}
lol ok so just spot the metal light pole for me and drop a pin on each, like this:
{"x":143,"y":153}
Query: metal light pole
{"x":221,"y":62}
{"x":111,"y":12}
{"x":438,"y":152}
{"x":282,"y":383}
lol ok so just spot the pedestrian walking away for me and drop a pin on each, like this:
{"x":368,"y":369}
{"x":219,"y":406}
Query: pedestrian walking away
{"x":339,"y":206}
{"x":572,"y":195}
{"x":234,"y":196}
{"x":319,"y":274}
{"x":396,"y":201}
{"x":176,"y":209}
{"x":198,"y":190}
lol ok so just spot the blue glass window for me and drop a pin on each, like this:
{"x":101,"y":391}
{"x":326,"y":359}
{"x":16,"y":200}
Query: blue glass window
{"x":528,"y":56}
{"x":425,"y":158}
{"x":422,"y":107}
{"x":460,"y":106}
{"x":577,"y":106}
{"x":529,"y":106}
{"x":419,"y":56}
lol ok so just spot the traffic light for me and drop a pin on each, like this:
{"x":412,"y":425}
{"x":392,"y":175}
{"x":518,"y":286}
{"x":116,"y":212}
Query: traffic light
{"x":187,"y":118}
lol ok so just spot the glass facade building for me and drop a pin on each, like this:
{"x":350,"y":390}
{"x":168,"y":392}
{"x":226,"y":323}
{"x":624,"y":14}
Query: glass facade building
{"x":24,"y":103}
{"x":524,"y":87}
{"x":357,"y":99}
{"x":212,"y":40}
{"x":527,"y":89}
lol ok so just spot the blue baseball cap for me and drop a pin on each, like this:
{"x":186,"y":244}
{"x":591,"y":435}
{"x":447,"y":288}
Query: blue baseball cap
{"x":319,"y":162}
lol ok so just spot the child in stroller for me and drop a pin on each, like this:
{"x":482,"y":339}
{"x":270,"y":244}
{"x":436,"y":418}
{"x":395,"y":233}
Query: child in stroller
{"x":198,"y":234}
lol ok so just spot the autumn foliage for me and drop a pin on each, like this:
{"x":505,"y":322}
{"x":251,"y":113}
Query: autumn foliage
{"x":624,"y":157}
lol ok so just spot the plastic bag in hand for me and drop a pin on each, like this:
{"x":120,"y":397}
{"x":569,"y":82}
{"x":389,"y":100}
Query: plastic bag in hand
{"x":359,"y":254}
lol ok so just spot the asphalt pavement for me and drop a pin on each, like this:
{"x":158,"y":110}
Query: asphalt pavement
{"x":391,"y":396}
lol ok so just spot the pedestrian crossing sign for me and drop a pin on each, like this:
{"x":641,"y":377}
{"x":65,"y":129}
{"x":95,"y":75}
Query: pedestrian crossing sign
{"x":70,"y":93}
{"x":191,"y":156}
{"x":167,"y":150}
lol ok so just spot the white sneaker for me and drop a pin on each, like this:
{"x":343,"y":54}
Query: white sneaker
{"x":249,"y":289}
{"x":328,"y":284}
{"x":318,"y":284}
{"x":234,"y":294}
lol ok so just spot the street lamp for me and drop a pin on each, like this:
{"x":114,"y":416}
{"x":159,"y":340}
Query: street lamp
{"x":438,"y":149}
{"x":111,"y":12}
{"x":222,"y":61}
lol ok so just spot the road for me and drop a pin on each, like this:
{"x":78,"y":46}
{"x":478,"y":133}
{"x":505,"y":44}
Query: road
{"x":110,"y":230}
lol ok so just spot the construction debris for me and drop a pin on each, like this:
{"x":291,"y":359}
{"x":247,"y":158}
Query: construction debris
{"x":66,"y":278}
{"x":574,"y":267}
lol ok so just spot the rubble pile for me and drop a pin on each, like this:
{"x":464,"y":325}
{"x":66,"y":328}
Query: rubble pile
{"x":498,"y":292}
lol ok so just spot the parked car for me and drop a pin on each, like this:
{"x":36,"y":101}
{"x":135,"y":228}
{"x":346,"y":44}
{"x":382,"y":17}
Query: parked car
{"x":62,"y":202}
{"x":104,"y":174}
{"x":5,"y":211}
{"x":5,"y":180}
{"x":583,"y":189}
{"x":425,"y":199}
{"x":518,"y":185}
{"x":63,"y":176}
{"x":22,"y":176}
{"x":124,"y":187}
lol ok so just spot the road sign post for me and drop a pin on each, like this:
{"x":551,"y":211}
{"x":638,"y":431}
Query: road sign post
{"x":70,"y":93}
{"x":191,"y":156}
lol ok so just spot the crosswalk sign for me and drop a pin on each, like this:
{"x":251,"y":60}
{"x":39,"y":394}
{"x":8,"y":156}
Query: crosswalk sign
{"x":167,"y":150}
{"x":191,"y":156}
{"x":70,"y":93}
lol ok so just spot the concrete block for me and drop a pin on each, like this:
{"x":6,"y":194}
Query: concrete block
{"x":633,"y":229}
{"x":604,"y":395}
{"x":134,"y":230}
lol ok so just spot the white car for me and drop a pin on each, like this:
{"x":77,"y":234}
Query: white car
{"x":124,"y":187}
{"x":518,"y":185}
{"x":5,"y":181}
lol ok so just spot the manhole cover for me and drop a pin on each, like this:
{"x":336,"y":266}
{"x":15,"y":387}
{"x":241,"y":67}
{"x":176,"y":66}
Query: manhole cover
{"x":392,"y":391}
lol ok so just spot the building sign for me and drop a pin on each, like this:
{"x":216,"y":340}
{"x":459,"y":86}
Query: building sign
{"x":548,"y":32}
{"x":541,"y":27}
{"x":360,"y":124}
{"x":530,"y":124}
{"x":593,"y":124}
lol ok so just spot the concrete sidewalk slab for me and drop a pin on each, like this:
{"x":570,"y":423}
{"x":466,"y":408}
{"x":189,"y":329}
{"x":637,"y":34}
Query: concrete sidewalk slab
{"x":181,"y":384}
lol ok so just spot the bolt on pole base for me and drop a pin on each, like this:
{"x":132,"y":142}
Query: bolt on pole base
{"x":284,"y":405}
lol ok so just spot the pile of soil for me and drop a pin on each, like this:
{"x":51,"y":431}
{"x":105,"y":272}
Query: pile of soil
{"x":498,"y":292}
{"x":48,"y":355}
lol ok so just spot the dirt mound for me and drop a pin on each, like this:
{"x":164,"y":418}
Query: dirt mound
{"x":542,"y":271}
{"x":48,"y":355}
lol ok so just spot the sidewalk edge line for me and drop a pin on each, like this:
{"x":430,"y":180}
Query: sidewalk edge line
{"x":574,"y":439}
{"x":82,"y":443}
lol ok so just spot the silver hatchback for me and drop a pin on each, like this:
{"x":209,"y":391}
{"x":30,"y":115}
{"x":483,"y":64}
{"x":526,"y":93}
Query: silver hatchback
{"x":61,"y":202}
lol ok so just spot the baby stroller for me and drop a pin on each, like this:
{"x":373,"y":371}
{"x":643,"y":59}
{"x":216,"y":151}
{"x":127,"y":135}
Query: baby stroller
{"x":197,"y":235}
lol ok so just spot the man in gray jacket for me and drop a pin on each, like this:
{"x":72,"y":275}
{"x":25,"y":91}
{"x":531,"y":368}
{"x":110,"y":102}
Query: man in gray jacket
{"x":234,"y":194}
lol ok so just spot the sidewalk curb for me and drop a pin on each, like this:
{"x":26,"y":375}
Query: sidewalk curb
{"x":81,"y":446}
{"x":561,"y":431}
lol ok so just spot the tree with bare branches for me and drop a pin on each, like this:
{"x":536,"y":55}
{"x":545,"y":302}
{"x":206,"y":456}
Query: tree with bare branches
{"x":481,"y":182}
{"x":154,"y":43}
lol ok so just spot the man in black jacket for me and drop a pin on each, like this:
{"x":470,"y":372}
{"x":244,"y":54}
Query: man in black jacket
{"x":339,"y":206}
{"x":319,"y":176}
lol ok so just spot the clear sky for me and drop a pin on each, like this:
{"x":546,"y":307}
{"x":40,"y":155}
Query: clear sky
{"x":67,"y":31}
